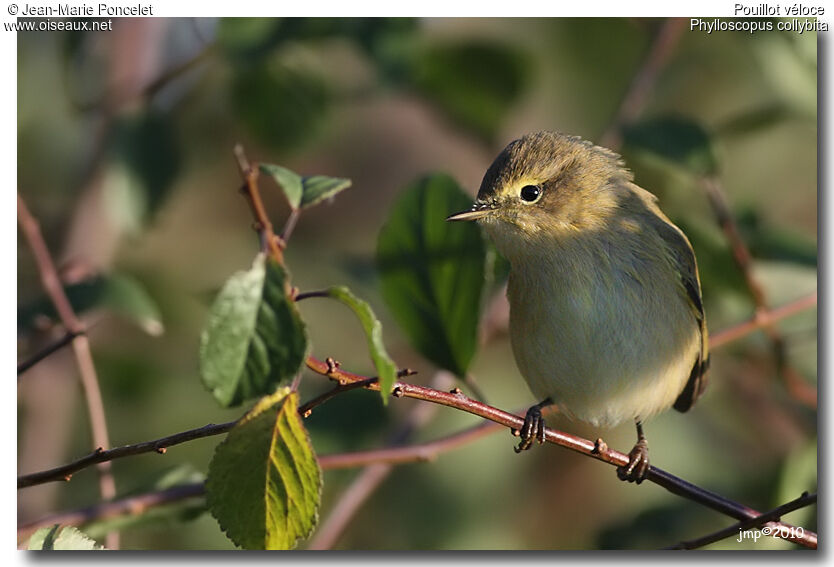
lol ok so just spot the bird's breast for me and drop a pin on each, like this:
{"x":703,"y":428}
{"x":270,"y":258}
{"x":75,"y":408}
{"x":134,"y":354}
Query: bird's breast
{"x":607,"y":336}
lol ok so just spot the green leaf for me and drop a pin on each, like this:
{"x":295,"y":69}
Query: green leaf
{"x":289,"y":181}
{"x":677,"y":139}
{"x":385,"y":367}
{"x":264,"y":482}
{"x":303,"y":192}
{"x":475,"y":83}
{"x":432,"y":271}
{"x":120,"y":293}
{"x":56,"y":538}
{"x":255,"y":338}
{"x":320,"y":187}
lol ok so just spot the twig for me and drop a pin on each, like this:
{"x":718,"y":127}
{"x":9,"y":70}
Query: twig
{"x":735,"y":332}
{"x":80,"y":344}
{"x":130,"y":506}
{"x":644,"y":79}
{"x":373,"y":475}
{"x":46,"y":351}
{"x":399,"y":454}
{"x":796,"y":386}
{"x":775,"y":514}
{"x":588,"y":448}
{"x":250,"y":190}
{"x":409,"y":453}
{"x":65,"y":472}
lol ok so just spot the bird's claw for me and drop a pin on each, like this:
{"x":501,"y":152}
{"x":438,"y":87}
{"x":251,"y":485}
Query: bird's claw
{"x":532,"y":430}
{"x":638,"y":463}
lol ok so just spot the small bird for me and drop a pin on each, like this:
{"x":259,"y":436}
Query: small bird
{"x":606,"y":317}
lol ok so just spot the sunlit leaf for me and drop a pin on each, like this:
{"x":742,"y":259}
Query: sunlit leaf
{"x":264,"y":482}
{"x":254,"y":338}
{"x":58,"y":538}
{"x":432,"y":271}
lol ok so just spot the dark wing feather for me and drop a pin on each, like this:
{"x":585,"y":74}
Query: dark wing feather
{"x":684,"y":262}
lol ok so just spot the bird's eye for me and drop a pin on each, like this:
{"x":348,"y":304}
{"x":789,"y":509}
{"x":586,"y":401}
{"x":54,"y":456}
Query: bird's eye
{"x":531,"y":193}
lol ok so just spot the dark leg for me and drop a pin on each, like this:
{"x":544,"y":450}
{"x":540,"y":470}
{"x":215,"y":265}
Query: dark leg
{"x":533,"y":428}
{"x":638,"y":459}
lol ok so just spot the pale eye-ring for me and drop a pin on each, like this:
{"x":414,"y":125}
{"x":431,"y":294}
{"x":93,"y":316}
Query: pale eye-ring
{"x":531,"y":193}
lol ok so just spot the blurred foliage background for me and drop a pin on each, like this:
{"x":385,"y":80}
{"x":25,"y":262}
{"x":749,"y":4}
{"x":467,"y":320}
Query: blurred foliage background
{"x":124,"y":155}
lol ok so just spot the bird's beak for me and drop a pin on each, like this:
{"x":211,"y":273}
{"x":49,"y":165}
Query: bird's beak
{"x":478,"y":211}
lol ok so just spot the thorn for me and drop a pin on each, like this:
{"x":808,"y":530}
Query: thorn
{"x":397,"y":392}
{"x":515,"y":432}
{"x":600,"y":446}
{"x":332,"y":364}
{"x":161,"y":450}
{"x":99,"y":450}
{"x":307,"y":413}
{"x":67,"y":477}
{"x":456,"y":391}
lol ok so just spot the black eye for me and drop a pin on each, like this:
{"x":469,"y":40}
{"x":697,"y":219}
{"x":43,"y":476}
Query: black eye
{"x":531,"y":192}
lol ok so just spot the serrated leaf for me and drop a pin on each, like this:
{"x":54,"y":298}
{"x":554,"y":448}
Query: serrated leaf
{"x":255,"y":338}
{"x":120,"y":293}
{"x":320,"y":187}
{"x":58,"y":538}
{"x":303,"y":192}
{"x":432,"y":271}
{"x":385,"y":367}
{"x":289,"y":181}
{"x":264,"y":482}
{"x":679,"y":140}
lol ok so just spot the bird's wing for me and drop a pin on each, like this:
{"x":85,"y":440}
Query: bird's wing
{"x":683,"y":258}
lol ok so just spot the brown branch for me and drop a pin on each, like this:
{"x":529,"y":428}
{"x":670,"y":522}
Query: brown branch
{"x":736,"y":332}
{"x":374,"y":473}
{"x":130,"y":506}
{"x":249,"y":172}
{"x":80,"y":344}
{"x":45,"y":352}
{"x":798,"y":388}
{"x":644,"y":80}
{"x":804,"y":500}
{"x":394,"y":455}
{"x":421,"y":452}
{"x":65,"y":472}
{"x":597,"y":450}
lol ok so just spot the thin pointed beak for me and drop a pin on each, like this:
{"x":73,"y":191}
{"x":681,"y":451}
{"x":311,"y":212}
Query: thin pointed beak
{"x":478,"y":211}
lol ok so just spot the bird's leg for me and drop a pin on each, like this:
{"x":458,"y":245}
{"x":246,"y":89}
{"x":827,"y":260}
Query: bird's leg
{"x":533,"y":428}
{"x":638,"y":459}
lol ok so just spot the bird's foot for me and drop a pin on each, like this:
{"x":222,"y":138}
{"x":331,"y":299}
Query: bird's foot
{"x":638,"y":463}
{"x":533,"y":428}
